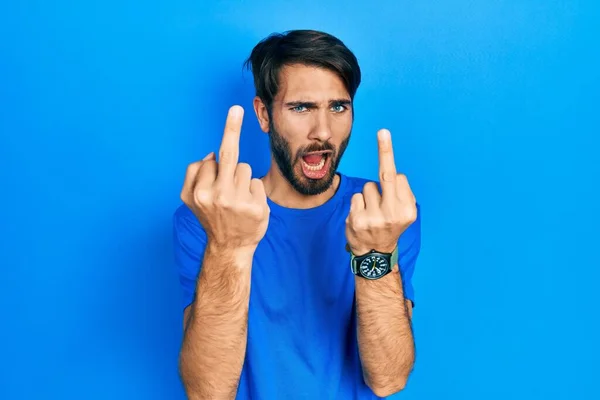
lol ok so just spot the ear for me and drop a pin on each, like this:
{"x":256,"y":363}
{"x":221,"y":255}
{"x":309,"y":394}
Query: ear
{"x":262,"y":114}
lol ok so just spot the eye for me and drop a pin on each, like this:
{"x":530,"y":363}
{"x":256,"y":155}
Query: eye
{"x":338,"y":108}
{"x":299,"y":109}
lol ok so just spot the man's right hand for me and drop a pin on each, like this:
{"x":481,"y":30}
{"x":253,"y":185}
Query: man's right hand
{"x":231,"y":206}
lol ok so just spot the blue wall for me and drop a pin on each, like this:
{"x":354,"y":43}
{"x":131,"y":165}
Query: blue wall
{"x":493,"y":108}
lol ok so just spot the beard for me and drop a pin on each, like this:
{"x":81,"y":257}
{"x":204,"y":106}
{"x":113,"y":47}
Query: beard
{"x":286,"y":161}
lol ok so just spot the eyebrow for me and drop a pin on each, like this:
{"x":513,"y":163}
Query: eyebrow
{"x":313,"y":104}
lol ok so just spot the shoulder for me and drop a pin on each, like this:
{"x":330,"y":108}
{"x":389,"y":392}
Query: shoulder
{"x":355,"y":184}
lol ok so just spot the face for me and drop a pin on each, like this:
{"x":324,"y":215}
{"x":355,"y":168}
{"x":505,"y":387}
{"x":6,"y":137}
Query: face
{"x":309,"y":128}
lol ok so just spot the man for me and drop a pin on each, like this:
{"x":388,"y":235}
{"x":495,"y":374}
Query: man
{"x":284,"y":297}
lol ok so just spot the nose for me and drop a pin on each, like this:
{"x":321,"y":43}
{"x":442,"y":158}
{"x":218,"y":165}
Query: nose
{"x":321,"y":127}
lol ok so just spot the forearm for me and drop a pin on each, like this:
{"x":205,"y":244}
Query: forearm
{"x":385,"y":336}
{"x":214,"y":344}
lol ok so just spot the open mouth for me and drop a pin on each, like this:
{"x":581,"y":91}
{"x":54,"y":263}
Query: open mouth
{"x":315,"y":165}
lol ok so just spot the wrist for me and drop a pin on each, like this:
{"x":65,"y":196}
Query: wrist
{"x":240,"y":256}
{"x":357,"y":250}
{"x":360,"y":250}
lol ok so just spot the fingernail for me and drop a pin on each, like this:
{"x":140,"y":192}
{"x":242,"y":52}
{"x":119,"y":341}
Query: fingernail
{"x":384,"y":134}
{"x":236,"y":111}
{"x":208,"y":156}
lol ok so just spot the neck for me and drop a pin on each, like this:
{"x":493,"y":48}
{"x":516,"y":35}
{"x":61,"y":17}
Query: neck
{"x":280,"y":191}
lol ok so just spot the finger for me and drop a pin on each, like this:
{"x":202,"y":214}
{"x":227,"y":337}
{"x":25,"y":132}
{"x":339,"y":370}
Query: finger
{"x":243,"y":175}
{"x":190,"y":176}
{"x":371,"y":196}
{"x":387,"y":165}
{"x":403,"y":189}
{"x":189,"y":182}
{"x":357,"y":203}
{"x":257,"y":189}
{"x":207,"y":174}
{"x":230,"y":144}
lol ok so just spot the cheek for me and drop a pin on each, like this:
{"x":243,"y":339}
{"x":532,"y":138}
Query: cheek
{"x":297,"y":127}
{"x":293,"y":133}
{"x":342,"y":125}
{"x":289,"y":127}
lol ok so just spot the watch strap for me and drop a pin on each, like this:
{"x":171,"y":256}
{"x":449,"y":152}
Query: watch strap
{"x":394,"y":259}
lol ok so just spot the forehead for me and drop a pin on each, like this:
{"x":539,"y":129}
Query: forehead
{"x":309,"y":83}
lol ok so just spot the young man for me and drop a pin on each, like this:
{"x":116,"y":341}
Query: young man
{"x":291,"y":282}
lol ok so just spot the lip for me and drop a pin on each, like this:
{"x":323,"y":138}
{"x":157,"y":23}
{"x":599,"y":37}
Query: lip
{"x":312,"y":153}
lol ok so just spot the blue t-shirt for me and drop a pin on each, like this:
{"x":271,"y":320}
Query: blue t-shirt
{"x":301,"y":321}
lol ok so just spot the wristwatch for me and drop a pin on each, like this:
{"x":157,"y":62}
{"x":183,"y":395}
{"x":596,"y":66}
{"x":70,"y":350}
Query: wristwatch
{"x":373,"y":265}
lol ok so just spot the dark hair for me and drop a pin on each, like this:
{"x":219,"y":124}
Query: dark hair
{"x":307,"y":47}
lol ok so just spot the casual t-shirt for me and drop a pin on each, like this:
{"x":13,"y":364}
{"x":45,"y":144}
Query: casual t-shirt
{"x":302,"y":340}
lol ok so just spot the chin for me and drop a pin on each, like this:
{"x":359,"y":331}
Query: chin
{"x":311,"y":187}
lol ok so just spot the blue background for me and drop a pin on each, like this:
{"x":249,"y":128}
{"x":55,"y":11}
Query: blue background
{"x":493,"y":108}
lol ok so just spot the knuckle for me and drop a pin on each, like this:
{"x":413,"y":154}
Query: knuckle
{"x":243,"y":169}
{"x":386,"y":176}
{"x":257,"y":211}
{"x":358,"y":223}
{"x":227,"y":156}
{"x":221,"y":200}
{"x":202,"y":197}
{"x":244,"y":166}
{"x":369,"y":187}
{"x":412,"y":217}
{"x":402,"y":180}
{"x":257,"y":185}
{"x":250,"y":210}
{"x":357,"y":201}
{"x":232,"y":128}
{"x":410,"y":214}
{"x":380,"y":222}
{"x":391,"y":222}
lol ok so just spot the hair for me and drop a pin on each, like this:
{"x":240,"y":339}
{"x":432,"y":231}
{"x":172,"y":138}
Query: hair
{"x":305,"y":47}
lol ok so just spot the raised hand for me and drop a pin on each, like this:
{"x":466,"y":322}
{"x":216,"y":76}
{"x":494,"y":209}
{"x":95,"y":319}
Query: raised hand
{"x":231,"y":206}
{"x":376,"y":220}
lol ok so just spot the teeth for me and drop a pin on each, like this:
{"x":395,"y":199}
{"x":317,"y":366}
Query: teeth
{"x":315,"y":167}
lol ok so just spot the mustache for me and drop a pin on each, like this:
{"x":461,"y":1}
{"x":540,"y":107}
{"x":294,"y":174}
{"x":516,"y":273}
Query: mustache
{"x":313,"y":147}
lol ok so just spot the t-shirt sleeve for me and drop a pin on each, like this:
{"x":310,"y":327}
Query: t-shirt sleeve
{"x":189,"y":245}
{"x":409,"y":246}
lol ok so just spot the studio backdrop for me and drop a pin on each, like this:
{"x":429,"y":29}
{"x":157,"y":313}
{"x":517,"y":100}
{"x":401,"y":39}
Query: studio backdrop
{"x":493,"y":109}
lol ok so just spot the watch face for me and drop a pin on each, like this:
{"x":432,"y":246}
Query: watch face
{"x":373,"y":267}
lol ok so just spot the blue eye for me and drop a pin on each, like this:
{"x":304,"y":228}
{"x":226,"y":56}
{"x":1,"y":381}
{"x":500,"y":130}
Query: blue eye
{"x":299,"y":108}
{"x":339,"y":108}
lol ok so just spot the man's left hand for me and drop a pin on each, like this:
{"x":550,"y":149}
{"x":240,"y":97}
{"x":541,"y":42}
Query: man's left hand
{"x":376,"y":221}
